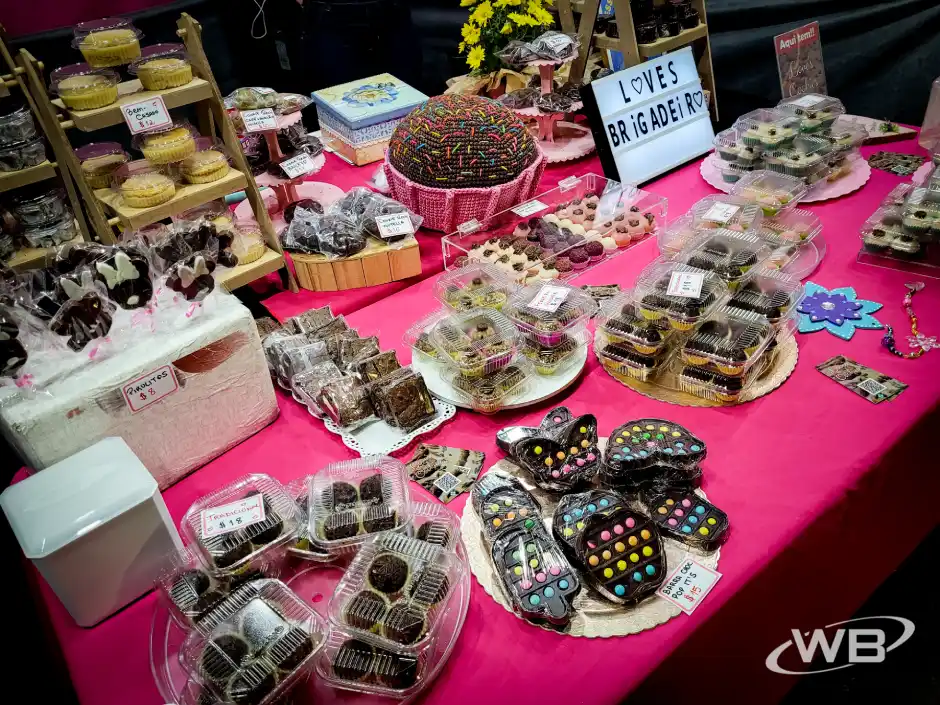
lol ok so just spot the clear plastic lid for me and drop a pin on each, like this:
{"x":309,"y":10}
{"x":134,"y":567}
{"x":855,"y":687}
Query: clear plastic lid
{"x":767,"y":127}
{"x":98,"y":150}
{"x":167,"y":144}
{"x":770,"y":294}
{"x":844,"y":137}
{"x":298,"y":360}
{"x":677,"y":236}
{"x":733,"y":172}
{"x":33,"y":208}
{"x":773,"y":192}
{"x":803,"y":158}
{"x":100,"y":25}
{"x":551,"y":359}
{"x":794,"y":226}
{"x":474,"y":286}
{"x":727,"y":144}
{"x":546,"y":311}
{"x":897,"y":196}
{"x":395,"y":592}
{"x":257,"y":646}
{"x":302,"y":546}
{"x":210,"y":153}
{"x":75,"y":78}
{"x":402,"y":399}
{"x":140,"y":175}
{"x":678,"y":292}
{"x":241,"y":524}
{"x":728,"y":253}
{"x":922,"y":203}
{"x":350,"y":500}
{"x":623,"y":324}
{"x":726,"y":211}
{"x":476,"y":342}
{"x":346,"y":402}
{"x":882,"y":226}
{"x":812,"y":106}
{"x":436,"y":525}
{"x":729,"y":341}
{"x":349,"y":663}
{"x":621,"y":358}
{"x":418,"y":336}
{"x":160,"y":51}
{"x":490,"y":393}
{"x":56,"y":233}
{"x":712,"y":385}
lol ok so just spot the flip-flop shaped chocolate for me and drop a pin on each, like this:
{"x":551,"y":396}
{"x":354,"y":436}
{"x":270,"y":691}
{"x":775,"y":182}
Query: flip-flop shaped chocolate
{"x":684,"y":516}
{"x":560,"y":463}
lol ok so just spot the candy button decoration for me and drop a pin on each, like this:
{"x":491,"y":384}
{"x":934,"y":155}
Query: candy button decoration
{"x":502,"y":503}
{"x":839,"y":311}
{"x":701,"y":524}
{"x":574,"y":510}
{"x":647,"y":444}
{"x":570,"y":447}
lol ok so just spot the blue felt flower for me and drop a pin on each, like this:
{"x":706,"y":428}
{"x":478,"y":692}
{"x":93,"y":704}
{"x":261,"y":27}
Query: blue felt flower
{"x":839,"y":311}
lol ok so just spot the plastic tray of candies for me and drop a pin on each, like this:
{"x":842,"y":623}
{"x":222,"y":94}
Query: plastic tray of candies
{"x":774,"y":193}
{"x":476,"y":285}
{"x":681,"y":294}
{"x":792,"y":235}
{"x":907,"y":232}
{"x":629,"y":343}
{"x":561,"y":232}
{"x":730,"y":254}
{"x":477,"y":342}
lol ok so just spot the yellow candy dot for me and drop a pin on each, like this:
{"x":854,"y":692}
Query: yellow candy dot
{"x":580,"y":525}
{"x":647,"y":551}
{"x":568,"y":532}
{"x":622,"y":565}
{"x":573,"y":450}
{"x":650,"y":427}
{"x":583,"y":429}
{"x":645,"y":534}
{"x":537,"y":450}
{"x":634,"y":557}
{"x":606,"y":555}
{"x":676,"y":434}
{"x":637,"y":428}
{"x":549,"y":462}
{"x":712,"y":521}
{"x":534,"y":563}
{"x":560,"y":455}
{"x":703,"y":531}
{"x":619,"y":440}
{"x":497,"y":522}
{"x":517,"y":570}
{"x":507,"y":502}
{"x":632,"y":541}
{"x":585,"y":443}
{"x":670,"y":502}
{"x":662,"y":510}
{"x":620,"y":547}
{"x":663,"y":428}
{"x":594,"y":560}
{"x":608,"y":573}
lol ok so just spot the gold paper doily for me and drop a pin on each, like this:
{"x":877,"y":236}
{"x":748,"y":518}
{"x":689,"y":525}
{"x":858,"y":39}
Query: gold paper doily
{"x":783,"y":365}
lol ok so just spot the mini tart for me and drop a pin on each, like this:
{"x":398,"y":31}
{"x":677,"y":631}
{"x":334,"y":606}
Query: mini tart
{"x":147,"y":190}
{"x":204,"y":167}
{"x":110,"y":47}
{"x":170,"y":146}
{"x":87,"y":92}
{"x":98,"y":170}
{"x":168,"y":72}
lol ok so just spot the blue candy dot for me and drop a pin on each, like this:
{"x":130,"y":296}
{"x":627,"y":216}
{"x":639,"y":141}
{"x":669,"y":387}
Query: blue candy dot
{"x":686,"y":529}
{"x":549,"y":592}
{"x":619,"y":590}
{"x":700,"y":509}
{"x":567,"y":518}
{"x":667,"y":451}
{"x":680,"y":444}
{"x":695,"y":448}
{"x":650,"y":570}
{"x":534,"y":599}
{"x":693,"y":520}
{"x":680,"y":452}
{"x":616,"y":456}
{"x":563,"y":584}
{"x":630,"y":457}
{"x":604,"y":502}
{"x":592,"y":507}
{"x":578,"y":512}
{"x":638,"y":576}
{"x":643,"y":454}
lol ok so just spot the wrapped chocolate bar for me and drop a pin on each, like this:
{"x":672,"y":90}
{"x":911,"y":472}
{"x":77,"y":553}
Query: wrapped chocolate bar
{"x":308,"y":385}
{"x":376,"y":367}
{"x":352,"y":350}
{"x":277,"y":343}
{"x":301,"y":234}
{"x":346,"y":402}
{"x":337,"y":325}
{"x":294,"y":361}
{"x":556,"y":46}
{"x":402,"y":399}
{"x":310,"y":321}
{"x":379,"y":205}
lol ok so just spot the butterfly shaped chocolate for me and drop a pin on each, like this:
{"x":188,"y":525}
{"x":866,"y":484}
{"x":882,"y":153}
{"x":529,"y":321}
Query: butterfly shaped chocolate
{"x":684,"y":516}
{"x":535,"y":575}
{"x":564,"y":461}
{"x":573,"y":511}
{"x":127,"y":276}
{"x":554,"y":420}
{"x":85,"y":316}
{"x":641,"y":445}
{"x":621,"y":555}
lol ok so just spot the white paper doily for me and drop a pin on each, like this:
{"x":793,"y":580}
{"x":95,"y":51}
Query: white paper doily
{"x":593,"y":617}
{"x":378,"y":438}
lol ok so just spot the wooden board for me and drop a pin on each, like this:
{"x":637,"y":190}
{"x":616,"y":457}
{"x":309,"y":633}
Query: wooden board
{"x":376,"y":264}
{"x":232,"y":279}
{"x":10,"y":180}
{"x":33,"y":257}
{"x":661,"y":46}
{"x":187,"y":196}
{"x":131,"y":92}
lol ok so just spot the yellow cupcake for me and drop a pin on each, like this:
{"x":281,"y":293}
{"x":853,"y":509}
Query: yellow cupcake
{"x":110,"y":47}
{"x":87,"y":92}
{"x":158,"y":74}
{"x":98,"y":170}
{"x":203,"y":167}
{"x":147,"y":190}
{"x":171,"y":146}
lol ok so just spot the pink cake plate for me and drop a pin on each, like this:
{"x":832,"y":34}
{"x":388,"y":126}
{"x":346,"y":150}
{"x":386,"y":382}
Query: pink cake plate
{"x":321,"y":192}
{"x":822,"y":191}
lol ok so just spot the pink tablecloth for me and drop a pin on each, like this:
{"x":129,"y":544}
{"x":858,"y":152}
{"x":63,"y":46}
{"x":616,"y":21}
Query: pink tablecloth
{"x":820,"y":486}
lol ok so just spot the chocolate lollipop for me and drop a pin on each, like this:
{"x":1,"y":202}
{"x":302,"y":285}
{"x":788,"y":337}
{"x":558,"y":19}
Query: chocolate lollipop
{"x":12,"y":353}
{"x":684,"y":516}
{"x":192,"y":278}
{"x":85,"y":316}
{"x":127,"y":276}
{"x":565,"y":460}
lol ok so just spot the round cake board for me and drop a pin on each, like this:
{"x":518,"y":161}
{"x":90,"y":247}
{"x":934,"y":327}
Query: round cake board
{"x":319,"y":191}
{"x":593,"y":616}
{"x":569,"y":141}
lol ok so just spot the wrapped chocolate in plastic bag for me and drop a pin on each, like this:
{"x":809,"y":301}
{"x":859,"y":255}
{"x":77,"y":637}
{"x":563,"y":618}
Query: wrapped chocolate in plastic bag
{"x":126,"y":276}
{"x":192,"y":277}
{"x":338,"y":235}
{"x":251,"y":98}
{"x":86,"y":315}
{"x":308,"y":384}
{"x":301,"y":359}
{"x":355,"y":203}
{"x":346,"y":402}
{"x":12,"y":353}
{"x":378,"y":206}
{"x":301,"y":234}
{"x":520,"y":99}
{"x":517,"y":53}
{"x":556,"y":46}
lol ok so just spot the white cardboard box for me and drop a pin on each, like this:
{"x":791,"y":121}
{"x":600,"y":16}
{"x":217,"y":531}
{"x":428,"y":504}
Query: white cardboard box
{"x":179,"y":396}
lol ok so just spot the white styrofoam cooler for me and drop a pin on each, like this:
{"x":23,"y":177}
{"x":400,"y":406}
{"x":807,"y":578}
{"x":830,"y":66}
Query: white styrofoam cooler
{"x":179,"y":396}
{"x":96,"y":527}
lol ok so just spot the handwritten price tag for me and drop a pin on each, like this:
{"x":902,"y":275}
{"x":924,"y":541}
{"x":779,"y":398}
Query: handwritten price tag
{"x":394,"y":225}
{"x":685,"y":284}
{"x":297,"y":166}
{"x":231,"y":517}
{"x":150,"y":388}
{"x":146,"y":115}
{"x":259,"y":120}
{"x":720,"y":213}
{"x":688,"y":585}
{"x":549,"y":298}
{"x":530,"y":208}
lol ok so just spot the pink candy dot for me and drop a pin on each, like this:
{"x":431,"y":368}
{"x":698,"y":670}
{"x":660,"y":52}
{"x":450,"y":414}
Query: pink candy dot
{"x":591,"y":456}
{"x":630,"y":522}
{"x":672,"y":522}
{"x":618,"y":529}
{"x":540,"y":577}
{"x":525,"y":584}
{"x":591,"y":544}
{"x":680,"y":513}
{"x":605,"y":536}
{"x":566,"y":469}
{"x":580,"y":462}
{"x":554,"y":570}
{"x":557,"y":419}
{"x":555,"y":473}
{"x":686,"y":503}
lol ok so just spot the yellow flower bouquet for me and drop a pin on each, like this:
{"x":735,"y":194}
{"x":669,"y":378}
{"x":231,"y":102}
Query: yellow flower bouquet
{"x":493,"y":23}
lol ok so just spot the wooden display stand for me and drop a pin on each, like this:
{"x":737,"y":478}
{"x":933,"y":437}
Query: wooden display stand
{"x":213,"y":121}
{"x":35,"y":257}
{"x":378,"y":263}
{"x":626,"y":44}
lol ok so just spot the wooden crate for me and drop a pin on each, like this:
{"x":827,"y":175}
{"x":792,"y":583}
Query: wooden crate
{"x":376,"y":264}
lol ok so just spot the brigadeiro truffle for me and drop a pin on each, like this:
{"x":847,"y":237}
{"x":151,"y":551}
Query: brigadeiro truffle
{"x":343,"y":494}
{"x":222,"y":658}
{"x":342,"y":525}
{"x":353,"y":660}
{"x":366,"y":610}
{"x":379,"y":518}
{"x":434,"y":532}
{"x":227,"y":549}
{"x":578,"y":258}
{"x":388,"y":573}
{"x":251,"y":684}
{"x":429,"y":587}
{"x":373,"y":489}
{"x":594,"y":250}
{"x":394,"y":671}
{"x":289,"y":651}
{"x":563,"y":265}
{"x":404,"y":624}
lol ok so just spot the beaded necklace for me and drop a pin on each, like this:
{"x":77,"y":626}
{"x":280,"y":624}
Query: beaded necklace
{"x":916,"y":340}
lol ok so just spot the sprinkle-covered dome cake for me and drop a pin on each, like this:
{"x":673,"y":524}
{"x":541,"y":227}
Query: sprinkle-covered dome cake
{"x":457,"y":158}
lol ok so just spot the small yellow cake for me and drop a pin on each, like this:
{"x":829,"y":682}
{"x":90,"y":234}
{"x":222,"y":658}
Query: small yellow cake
{"x":170,"y":72}
{"x":203,"y":167}
{"x":248,"y":245}
{"x":87,"y":92}
{"x":110,"y":47}
{"x":147,"y":190}
{"x":170,"y":146}
{"x":98,"y":170}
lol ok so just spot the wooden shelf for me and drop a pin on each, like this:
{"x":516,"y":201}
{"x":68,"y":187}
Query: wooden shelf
{"x":187,"y":196}
{"x":130,"y":92}
{"x":33,"y":257}
{"x":10,"y":180}
{"x":269,"y":262}
{"x":378,"y":263}
{"x":661,"y":46}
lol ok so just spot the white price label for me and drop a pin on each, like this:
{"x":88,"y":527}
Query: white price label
{"x":805,"y":101}
{"x":530,"y":208}
{"x":146,"y":115}
{"x":394,"y":224}
{"x":549,"y":298}
{"x":468,"y":226}
{"x":685,"y":284}
{"x":556,"y":42}
{"x":720,"y":213}
{"x":150,"y":388}
{"x":688,"y":585}
{"x":231,"y":517}
{"x":259,"y":120}
{"x":872,"y":386}
{"x":297,"y":166}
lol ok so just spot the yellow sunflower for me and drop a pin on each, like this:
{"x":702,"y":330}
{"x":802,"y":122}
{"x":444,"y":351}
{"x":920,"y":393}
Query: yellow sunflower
{"x":475,"y":57}
{"x":470,"y":33}
{"x":481,"y":15}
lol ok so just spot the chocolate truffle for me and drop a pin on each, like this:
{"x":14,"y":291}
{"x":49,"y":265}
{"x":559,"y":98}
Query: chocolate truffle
{"x":227,"y":549}
{"x":379,"y":518}
{"x":374,"y":489}
{"x":289,"y":651}
{"x":394,"y":671}
{"x":404,"y":624}
{"x":366,"y":610}
{"x":342,"y":494}
{"x":429,"y":586}
{"x":434,"y":532}
{"x":353,"y":660}
{"x":388,"y":573}
{"x":342,"y":525}
{"x":251,"y":685}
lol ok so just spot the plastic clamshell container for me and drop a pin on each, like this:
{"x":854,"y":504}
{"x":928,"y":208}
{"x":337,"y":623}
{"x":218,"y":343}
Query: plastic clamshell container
{"x":302,"y":546}
{"x":882,"y":228}
{"x":478,"y":285}
{"x":110,"y":41}
{"x":210,"y":162}
{"x":729,"y":341}
{"x":728,"y":144}
{"x":845,"y":136}
{"x":37,"y":209}
{"x":653,"y":300}
{"x":815,"y":110}
{"x":805,"y":158}
{"x":490,"y":393}
{"x":435,"y":524}
{"x":796,"y":226}
{"x":623,"y":359}
{"x":622,"y":324}
{"x":253,"y":544}
{"x":549,"y":360}
{"x":418,"y":336}
{"x":897,"y":196}
{"x":920,"y":202}
{"x":476,"y":342}
{"x":728,"y":253}
{"x":168,"y":144}
{"x":259,"y":644}
{"x":404,"y":617}
{"x":767,"y":127}
{"x":770,"y":294}
{"x":733,"y":172}
{"x":99,"y":161}
{"x":711,"y":385}
{"x":340,"y":519}
{"x":162,"y":66}
{"x":22,"y":155}
{"x":726,"y":211}
{"x":53,"y":234}
{"x":774,"y":193}
{"x":677,"y":236}
{"x":546,"y":311}
{"x":17,"y":126}
{"x":83,"y":87}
